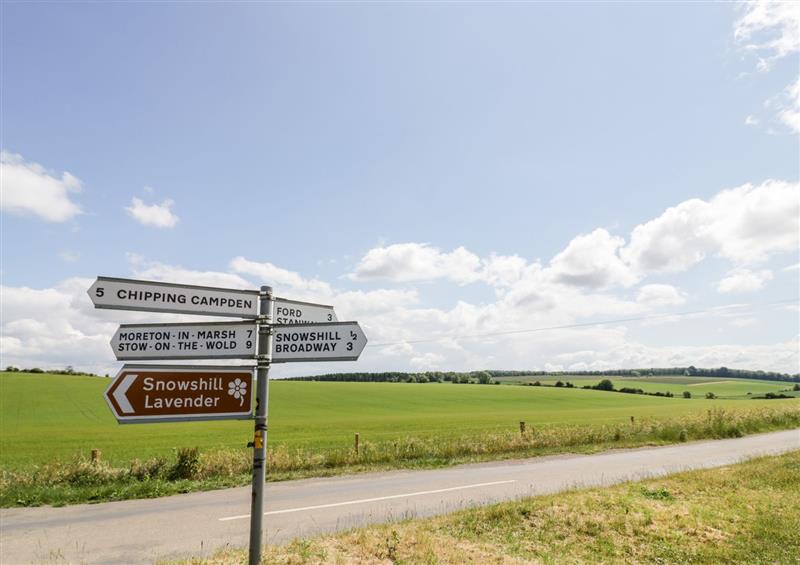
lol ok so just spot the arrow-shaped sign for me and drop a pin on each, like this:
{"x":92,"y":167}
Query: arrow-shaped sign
{"x":295,"y":312}
{"x":152,"y":296}
{"x":204,"y":340}
{"x":171,"y":393}
{"x":340,"y":341}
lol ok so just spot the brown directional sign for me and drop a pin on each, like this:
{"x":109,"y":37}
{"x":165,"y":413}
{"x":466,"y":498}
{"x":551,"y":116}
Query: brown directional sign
{"x":170,"y":393}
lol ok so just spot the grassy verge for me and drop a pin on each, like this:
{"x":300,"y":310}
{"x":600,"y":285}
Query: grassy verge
{"x":188,"y":470}
{"x":745,"y":513}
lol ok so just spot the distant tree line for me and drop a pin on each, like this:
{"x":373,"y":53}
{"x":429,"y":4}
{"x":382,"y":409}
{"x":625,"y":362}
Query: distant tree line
{"x":472,"y":377}
{"x":490,"y":376}
{"x":607,"y":385}
{"x":67,"y":371}
{"x":690,"y":371}
{"x":773,"y":395}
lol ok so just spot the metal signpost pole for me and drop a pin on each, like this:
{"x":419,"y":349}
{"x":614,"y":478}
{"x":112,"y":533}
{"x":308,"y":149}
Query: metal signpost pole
{"x":266,"y":305}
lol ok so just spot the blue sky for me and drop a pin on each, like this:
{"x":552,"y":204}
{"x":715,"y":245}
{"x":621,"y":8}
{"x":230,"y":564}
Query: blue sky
{"x":348,"y":151}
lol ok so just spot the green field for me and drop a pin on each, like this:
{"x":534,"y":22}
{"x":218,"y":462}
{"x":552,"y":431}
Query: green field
{"x":47,"y":417}
{"x":698,"y":386}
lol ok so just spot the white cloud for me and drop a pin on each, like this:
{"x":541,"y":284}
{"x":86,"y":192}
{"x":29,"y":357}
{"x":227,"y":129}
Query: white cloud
{"x":751,"y":121}
{"x":744,"y":224}
{"x":28,"y":189}
{"x":70,"y":335}
{"x":405,"y":262}
{"x":349,"y":305}
{"x":400,"y":349}
{"x":749,"y":223}
{"x":358,"y":302}
{"x":789,"y":112}
{"x":588,"y":261}
{"x":660,"y":295}
{"x":77,"y":334}
{"x":69,"y":256}
{"x":743,"y":322}
{"x":427,"y":362}
{"x":674,"y":241}
{"x":504,"y":270}
{"x":591,"y":261}
{"x":781,"y":356}
{"x":769,"y":28}
{"x":268,"y":274}
{"x":744,"y":280}
{"x":250,"y":275}
{"x":157,"y":215}
{"x":152,"y":270}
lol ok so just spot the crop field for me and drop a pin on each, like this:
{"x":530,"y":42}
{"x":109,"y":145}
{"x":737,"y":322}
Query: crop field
{"x":45,"y":417}
{"x":697,"y":386}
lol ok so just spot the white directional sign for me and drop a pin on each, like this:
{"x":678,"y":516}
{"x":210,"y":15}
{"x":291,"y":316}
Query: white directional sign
{"x":340,"y":341}
{"x":296,"y":312}
{"x":128,"y":294}
{"x":210,"y":340}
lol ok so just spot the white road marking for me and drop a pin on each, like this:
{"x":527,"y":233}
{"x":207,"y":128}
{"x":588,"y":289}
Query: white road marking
{"x":365,"y":500}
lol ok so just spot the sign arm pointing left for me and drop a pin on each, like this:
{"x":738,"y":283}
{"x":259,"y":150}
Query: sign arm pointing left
{"x":174,"y":393}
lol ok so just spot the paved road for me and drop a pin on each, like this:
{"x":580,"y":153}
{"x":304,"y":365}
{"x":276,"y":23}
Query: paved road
{"x":139,"y":531}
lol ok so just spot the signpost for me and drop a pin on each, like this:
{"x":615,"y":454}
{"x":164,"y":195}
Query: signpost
{"x":280,"y":331}
{"x":149,"y":296}
{"x":170,"y":393}
{"x":340,"y":341}
{"x":214,"y":340}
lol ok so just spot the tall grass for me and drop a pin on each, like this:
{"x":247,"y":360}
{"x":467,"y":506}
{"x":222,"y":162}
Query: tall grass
{"x":189,"y":469}
{"x":716,"y":423}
